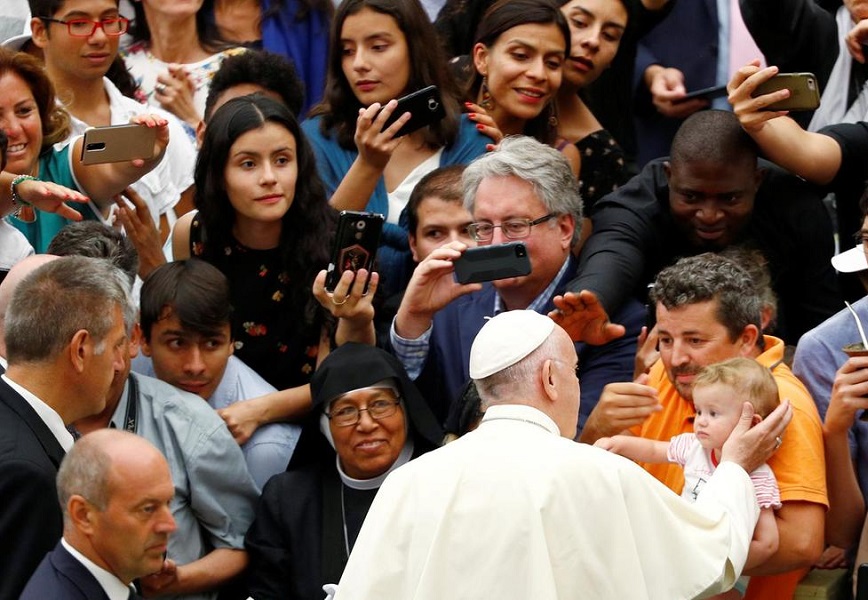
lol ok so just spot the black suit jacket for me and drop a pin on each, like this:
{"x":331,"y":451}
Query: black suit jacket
{"x":61,"y":577}
{"x":31,"y":522}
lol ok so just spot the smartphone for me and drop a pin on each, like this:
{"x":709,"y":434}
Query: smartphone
{"x":117,"y":143}
{"x":804,"y":91}
{"x":709,"y":93}
{"x":487,"y":263}
{"x":356,"y":242}
{"x":425,"y":107}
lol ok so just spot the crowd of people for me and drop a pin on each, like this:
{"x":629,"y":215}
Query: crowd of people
{"x":668,"y":404}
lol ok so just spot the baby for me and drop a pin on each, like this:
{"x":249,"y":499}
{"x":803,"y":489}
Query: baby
{"x":719,"y":391}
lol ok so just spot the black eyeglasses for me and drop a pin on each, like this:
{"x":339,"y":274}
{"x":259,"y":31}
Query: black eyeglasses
{"x":83,"y":28}
{"x":514,"y":229}
{"x":350,"y":415}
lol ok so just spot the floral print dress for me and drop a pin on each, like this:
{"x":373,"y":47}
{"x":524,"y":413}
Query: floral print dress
{"x":276,"y":339}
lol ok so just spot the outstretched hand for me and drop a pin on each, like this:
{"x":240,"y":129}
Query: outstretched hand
{"x":584,"y":318}
{"x":48,"y":197}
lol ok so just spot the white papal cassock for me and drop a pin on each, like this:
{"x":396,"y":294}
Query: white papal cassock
{"x":514,"y":511}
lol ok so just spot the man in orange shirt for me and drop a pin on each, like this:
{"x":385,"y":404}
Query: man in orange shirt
{"x":708,"y":310}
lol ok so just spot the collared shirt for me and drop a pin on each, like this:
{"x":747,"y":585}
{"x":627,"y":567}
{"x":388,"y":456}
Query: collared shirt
{"x":413,"y":352}
{"x":215,"y":497}
{"x":113,"y":587}
{"x":48,"y":415}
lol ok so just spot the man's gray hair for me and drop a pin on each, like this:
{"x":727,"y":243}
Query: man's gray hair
{"x":85,"y":472}
{"x":60,"y":298}
{"x":542,"y":166}
{"x":518,"y":380}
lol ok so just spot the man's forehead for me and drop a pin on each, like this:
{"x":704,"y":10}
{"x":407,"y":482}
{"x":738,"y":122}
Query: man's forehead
{"x":436,"y":208}
{"x":691,"y":317}
{"x":506,"y":196}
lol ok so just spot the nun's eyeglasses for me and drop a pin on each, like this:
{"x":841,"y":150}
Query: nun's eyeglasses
{"x":350,"y":415}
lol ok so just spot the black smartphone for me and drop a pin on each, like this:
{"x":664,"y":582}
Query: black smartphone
{"x":425,"y":107}
{"x":355,"y":247}
{"x":804,"y":91}
{"x":709,"y":93}
{"x":487,"y":263}
{"x":117,"y":143}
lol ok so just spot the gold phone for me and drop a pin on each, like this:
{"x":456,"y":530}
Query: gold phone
{"x":804,"y":91}
{"x":117,"y":143}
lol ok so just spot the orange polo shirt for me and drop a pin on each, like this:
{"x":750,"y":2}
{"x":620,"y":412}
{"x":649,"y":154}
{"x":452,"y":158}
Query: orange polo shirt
{"x":799,"y":463}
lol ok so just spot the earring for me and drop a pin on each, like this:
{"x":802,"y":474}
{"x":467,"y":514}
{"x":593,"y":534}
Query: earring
{"x":553,"y":115}
{"x":487,"y":101}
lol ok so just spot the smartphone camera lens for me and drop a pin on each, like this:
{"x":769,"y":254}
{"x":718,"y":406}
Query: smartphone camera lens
{"x":360,"y":225}
{"x":520,"y":251}
{"x":433,"y":104}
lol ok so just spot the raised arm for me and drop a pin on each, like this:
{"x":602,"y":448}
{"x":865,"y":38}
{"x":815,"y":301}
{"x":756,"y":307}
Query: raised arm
{"x":846,"y":503}
{"x":375,"y":150}
{"x":813,"y":156}
{"x":102,"y":181}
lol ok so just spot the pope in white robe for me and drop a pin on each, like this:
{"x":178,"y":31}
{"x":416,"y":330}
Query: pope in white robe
{"x":517,"y":510}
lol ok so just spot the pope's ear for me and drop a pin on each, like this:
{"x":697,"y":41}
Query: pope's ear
{"x":547,"y":379}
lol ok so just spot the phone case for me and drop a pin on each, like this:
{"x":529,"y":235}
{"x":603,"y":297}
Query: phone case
{"x":804,"y":91}
{"x":356,"y":242}
{"x":117,"y":143}
{"x":425,"y":107}
{"x":487,"y":263}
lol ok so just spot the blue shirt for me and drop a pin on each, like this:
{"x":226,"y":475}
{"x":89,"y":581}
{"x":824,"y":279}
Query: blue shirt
{"x":269,"y":449}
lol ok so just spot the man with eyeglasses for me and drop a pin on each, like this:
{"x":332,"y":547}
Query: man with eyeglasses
{"x":79,"y":41}
{"x":522,"y":191}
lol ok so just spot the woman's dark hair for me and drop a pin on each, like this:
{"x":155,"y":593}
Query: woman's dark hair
{"x":119,"y":75}
{"x":55,"y":120}
{"x":308,"y":225}
{"x":340,"y":107}
{"x":503,"y":16}
{"x":206,"y":29}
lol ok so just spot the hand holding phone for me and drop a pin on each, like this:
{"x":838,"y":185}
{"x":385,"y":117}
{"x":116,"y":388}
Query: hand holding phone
{"x":355,"y":246}
{"x":803,"y":87}
{"x":118,"y":143}
{"x":425,"y":107}
{"x":487,"y":263}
